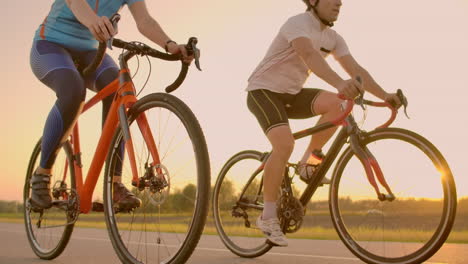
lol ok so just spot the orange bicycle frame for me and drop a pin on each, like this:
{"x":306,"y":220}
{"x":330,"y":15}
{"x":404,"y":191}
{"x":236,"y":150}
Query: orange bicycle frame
{"x":124,"y":97}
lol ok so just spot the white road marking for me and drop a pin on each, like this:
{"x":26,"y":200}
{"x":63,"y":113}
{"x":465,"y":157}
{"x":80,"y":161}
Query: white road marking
{"x":217,"y":249}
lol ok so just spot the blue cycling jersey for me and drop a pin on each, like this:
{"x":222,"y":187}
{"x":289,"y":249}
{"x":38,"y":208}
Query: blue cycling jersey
{"x":61,"y":26}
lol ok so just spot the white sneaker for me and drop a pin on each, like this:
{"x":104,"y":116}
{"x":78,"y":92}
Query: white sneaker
{"x":272,"y":231}
{"x":306,"y":173}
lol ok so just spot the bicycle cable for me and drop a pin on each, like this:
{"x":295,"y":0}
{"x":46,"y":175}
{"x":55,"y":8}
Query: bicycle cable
{"x":147,"y":78}
{"x":363,"y":120}
{"x":138,"y":61}
{"x":360,"y":123}
{"x":138,"y":43}
{"x":147,"y":158}
{"x":138,"y":67}
{"x":138,"y":64}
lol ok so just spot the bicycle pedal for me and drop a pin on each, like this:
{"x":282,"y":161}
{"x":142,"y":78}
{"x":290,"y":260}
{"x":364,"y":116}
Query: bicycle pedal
{"x":307,"y":181}
{"x":63,"y":204}
{"x":268,"y":242}
{"x":59,"y":202}
{"x":97,"y":207}
{"x":124,"y":209}
{"x":37,"y":209}
{"x":304,"y":179}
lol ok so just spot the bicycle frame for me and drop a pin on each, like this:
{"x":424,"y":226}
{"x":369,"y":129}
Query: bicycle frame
{"x":124,"y":98}
{"x":325,"y":165}
{"x":349,"y":130}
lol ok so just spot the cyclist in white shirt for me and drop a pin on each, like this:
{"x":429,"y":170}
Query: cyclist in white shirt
{"x":276,"y":94}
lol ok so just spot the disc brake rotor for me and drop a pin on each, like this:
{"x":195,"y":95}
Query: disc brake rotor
{"x":159,"y":185}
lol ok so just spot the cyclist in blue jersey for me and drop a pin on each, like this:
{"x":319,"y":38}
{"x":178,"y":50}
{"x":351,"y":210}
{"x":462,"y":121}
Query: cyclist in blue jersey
{"x":67,"y":37}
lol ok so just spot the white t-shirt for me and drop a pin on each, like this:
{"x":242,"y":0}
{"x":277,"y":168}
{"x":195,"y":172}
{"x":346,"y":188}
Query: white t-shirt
{"x":282,"y":70}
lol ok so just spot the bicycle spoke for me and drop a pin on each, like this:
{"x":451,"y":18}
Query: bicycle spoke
{"x":180,"y":169}
{"x":51,"y":237}
{"x":170,"y":143}
{"x":246,"y":241}
{"x":156,"y":222}
{"x":165,"y":127}
{"x":399,"y":230}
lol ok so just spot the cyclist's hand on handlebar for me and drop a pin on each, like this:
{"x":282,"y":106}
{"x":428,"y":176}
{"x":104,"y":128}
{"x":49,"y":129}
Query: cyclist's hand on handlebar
{"x":351,"y":88}
{"x":174,"y":48}
{"x":393,"y":99}
{"x":102,"y":28}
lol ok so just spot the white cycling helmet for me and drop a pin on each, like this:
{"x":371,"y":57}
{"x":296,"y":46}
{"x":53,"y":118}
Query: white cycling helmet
{"x":309,"y":7}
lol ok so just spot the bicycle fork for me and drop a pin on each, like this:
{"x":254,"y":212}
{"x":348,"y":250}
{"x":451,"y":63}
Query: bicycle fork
{"x":148,"y":138}
{"x":370,"y":164}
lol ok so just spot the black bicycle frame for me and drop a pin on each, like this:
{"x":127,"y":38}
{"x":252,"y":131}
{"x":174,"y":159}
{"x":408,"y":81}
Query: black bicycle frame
{"x":349,"y":130}
{"x":332,"y":153}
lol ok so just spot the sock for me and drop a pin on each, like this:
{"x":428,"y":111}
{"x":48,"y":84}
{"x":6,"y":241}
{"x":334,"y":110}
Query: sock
{"x":269,"y":211}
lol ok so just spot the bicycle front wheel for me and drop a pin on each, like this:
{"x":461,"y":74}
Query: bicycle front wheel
{"x":238,"y":201}
{"x":409,"y":229}
{"x":49,"y":230}
{"x":168,"y":224}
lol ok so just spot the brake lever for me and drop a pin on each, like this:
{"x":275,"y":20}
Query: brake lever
{"x":403,"y":100}
{"x":193,"y":50}
{"x":360,"y":99}
{"x":114,"y":20}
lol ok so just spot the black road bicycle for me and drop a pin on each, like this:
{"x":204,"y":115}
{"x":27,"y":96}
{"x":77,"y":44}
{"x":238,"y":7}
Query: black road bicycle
{"x":392,"y":196}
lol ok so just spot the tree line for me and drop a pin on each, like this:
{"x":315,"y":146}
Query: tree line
{"x":182,"y":200}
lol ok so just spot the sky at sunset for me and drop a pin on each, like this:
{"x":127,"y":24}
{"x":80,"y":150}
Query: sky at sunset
{"x":419,"y":46}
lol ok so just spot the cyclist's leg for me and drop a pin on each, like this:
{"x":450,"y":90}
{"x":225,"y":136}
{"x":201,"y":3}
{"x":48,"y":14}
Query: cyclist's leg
{"x":107,"y":72}
{"x":53,"y":65}
{"x":282,"y":143}
{"x":269,"y":111}
{"x":309,"y":103}
{"x":327,"y":105}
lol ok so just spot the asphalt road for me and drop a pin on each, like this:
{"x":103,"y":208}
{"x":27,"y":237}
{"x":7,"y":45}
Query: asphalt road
{"x":89,"y":246}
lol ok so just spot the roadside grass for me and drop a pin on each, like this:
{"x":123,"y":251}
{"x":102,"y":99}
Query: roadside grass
{"x":176,"y":223}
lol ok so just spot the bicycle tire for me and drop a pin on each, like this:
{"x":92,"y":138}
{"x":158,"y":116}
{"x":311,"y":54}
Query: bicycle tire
{"x":432,"y":245}
{"x":240,"y":247}
{"x":55,"y":251}
{"x":173,"y":105}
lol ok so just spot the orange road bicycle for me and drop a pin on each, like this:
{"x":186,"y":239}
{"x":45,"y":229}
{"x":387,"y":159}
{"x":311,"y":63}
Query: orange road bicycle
{"x":392,"y":197}
{"x":157,"y":144}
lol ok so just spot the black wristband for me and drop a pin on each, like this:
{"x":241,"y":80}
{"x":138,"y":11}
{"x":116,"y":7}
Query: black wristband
{"x":167,"y":43}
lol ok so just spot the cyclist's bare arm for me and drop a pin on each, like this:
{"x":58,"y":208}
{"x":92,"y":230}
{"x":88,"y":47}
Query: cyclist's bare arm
{"x":353,"y":68}
{"x":147,"y":25}
{"x":151,"y":29}
{"x":314,"y":61}
{"x":100,"y":27}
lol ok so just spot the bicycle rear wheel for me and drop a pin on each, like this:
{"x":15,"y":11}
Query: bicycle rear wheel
{"x":167,"y":226}
{"x":238,"y":201}
{"x":415,"y":225}
{"x":49,"y":230}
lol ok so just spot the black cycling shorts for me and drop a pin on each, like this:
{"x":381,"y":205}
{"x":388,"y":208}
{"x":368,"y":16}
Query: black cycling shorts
{"x":275,"y":109}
